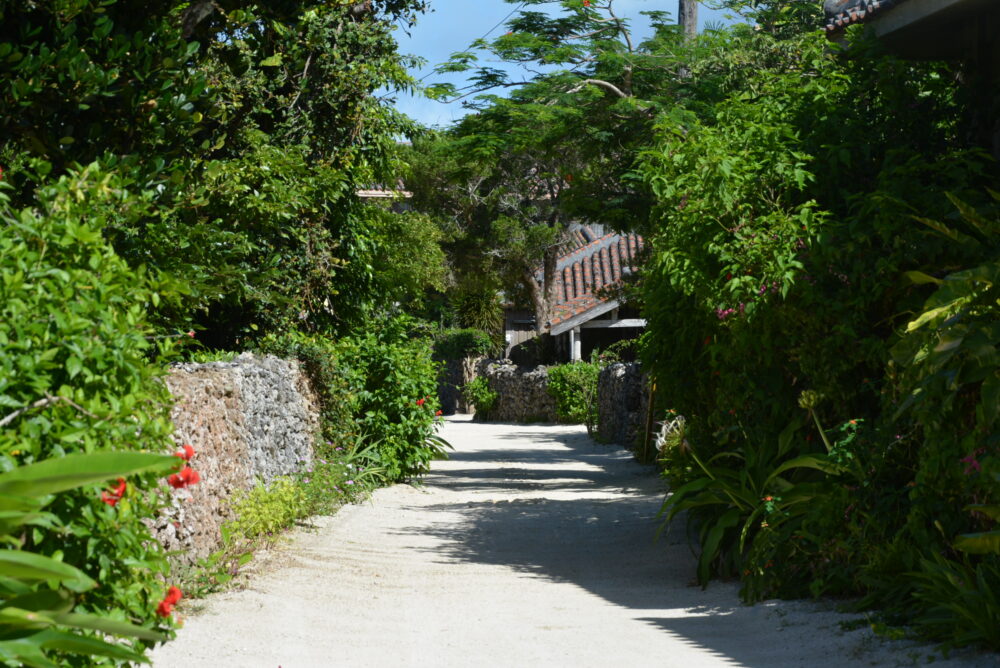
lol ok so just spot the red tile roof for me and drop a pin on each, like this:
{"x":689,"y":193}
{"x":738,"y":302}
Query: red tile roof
{"x":582,"y":271}
{"x":843,"y":13}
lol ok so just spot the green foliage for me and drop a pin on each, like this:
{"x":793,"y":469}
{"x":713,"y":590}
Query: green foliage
{"x":959,"y":603}
{"x":574,"y":387}
{"x":39,"y":592}
{"x":395,"y":377}
{"x":264,"y":510}
{"x":370,"y":384}
{"x":481,"y":395}
{"x":224,"y":144}
{"x":76,"y":377}
{"x":477,"y":305}
{"x":787,"y":272}
{"x":454,"y":344}
{"x":239,"y":135}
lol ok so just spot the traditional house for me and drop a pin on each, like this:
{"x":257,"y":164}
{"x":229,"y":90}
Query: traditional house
{"x":586,"y":314}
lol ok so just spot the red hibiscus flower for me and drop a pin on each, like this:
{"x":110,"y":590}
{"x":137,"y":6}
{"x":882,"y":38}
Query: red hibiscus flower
{"x":166,"y":606}
{"x":420,"y":402}
{"x":185,"y":477}
{"x":114,"y":495}
{"x":185,"y":453}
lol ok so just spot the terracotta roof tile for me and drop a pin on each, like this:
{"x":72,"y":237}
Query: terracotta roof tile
{"x":591,"y":266}
{"x":843,"y":13}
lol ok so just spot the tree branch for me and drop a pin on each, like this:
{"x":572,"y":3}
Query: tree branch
{"x":47,"y":401}
{"x":622,"y":29}
{"x":600,"y":83}
{"x":302,"y":82}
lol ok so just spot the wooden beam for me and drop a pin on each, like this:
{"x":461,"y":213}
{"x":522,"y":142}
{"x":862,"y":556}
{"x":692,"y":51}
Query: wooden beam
{"x":613,"y":324}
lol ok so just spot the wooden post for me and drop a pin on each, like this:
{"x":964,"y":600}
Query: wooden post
{"x":687,"y":17}
{"x":646,"y":458}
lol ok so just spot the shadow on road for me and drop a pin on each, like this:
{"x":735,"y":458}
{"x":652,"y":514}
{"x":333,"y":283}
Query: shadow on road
{"x":585,"y":514}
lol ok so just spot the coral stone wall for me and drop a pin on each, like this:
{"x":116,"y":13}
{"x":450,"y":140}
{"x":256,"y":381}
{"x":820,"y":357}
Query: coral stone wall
{"x":622,"y":397}
{"x":522,"y":395}
{"x":249,"y":419}
{"x":456,"y":374}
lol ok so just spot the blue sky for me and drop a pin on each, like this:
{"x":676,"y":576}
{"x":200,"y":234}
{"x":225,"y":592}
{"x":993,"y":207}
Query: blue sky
{"x":452,"y":24}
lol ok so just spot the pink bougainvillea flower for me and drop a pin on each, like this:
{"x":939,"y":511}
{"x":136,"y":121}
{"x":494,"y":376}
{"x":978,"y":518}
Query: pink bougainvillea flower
{"x":191,"y":333}
{"x":972,"y":465}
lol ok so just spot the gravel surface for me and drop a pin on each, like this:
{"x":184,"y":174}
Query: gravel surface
{"x":531,"y":546}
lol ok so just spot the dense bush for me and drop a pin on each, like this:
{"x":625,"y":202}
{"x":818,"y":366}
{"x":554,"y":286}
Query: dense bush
{"x":483,"y":397}
{"x":839,"y":430}
{"x":454,"y":344}
{"x":76,"y":377}
{"x":574,"y":387}
{"x":241,"y":131}
{"x":379,"y":386}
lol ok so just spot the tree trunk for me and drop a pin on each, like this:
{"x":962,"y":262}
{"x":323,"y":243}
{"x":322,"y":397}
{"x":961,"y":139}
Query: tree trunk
{"x":687,"y":17}
{"x":543,"y":295}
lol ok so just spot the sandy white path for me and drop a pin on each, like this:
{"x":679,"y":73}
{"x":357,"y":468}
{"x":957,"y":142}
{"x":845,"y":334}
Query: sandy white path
{"x":531,"y":547}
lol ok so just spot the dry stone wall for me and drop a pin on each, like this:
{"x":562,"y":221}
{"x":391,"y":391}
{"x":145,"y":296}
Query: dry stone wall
{"x":251,"y":419}
{"x":522,"y":396}
{"x":622,"y":398}
{"x":456,"y":374}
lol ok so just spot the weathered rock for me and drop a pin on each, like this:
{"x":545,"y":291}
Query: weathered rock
{"x":622,"y":397}
{"x":249,"y":419}
{"x":522,"y":396}
{"x":456,"y":374}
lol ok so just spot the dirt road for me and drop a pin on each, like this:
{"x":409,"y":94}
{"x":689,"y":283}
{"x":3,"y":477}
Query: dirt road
{"x":532,"y":546}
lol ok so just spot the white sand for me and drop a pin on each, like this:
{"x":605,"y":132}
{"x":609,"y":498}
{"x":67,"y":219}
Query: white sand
{"x":532,"y":546}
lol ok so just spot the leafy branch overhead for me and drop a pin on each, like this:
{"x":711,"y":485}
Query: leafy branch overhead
{"x":569,"y":44}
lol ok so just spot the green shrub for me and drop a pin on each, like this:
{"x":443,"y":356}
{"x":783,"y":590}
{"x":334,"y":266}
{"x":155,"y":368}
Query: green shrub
{"x":76,"y":377}
{"x":454,"y":344}
{"x":39,"y":592}
{"x":381,"y":384}
{"x":574,"y":387}
{"x":264,"y":510}
{"x":481,"y":395}
{"x":775,"y":276}
{"x":396,"y":381}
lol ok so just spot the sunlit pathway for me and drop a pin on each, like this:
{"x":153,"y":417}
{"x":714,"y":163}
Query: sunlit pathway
{"x":532,"y":546}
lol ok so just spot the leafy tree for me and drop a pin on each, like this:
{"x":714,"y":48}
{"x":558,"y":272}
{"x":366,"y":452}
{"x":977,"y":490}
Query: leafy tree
{"x":242,"y":131}
{"x":513,"y":177}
